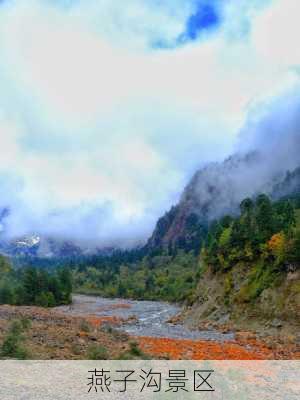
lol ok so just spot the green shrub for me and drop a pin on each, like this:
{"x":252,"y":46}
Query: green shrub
{"x":97,"y":352}
{"x":133,"y":353}
{"x":12,"y":346}
{"x":261,"y":277}
{"x":6,"y":294}
{"x":45,"y":299}
{"x":134,"y":349}
{"x":25,"y":322}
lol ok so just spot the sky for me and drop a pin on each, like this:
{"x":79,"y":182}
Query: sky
{"x":108,"y":108}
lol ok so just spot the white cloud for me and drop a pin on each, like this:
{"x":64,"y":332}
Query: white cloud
{"x":92,"y":118}
{"x":277,"y":32}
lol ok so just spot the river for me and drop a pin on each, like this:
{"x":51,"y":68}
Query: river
{"x":149,"y":318}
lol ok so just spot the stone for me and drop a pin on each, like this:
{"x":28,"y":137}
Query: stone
{"x":276,"y":323}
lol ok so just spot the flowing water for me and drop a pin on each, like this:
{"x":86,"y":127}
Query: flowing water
{"x":149,"y":317}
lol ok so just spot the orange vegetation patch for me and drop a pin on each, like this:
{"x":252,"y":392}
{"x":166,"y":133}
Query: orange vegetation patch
{"x":207,"y":350}
{"x":98,"y":321}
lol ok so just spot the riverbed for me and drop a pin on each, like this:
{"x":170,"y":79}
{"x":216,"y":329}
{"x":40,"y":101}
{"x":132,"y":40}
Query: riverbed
{"x":147,"y":318}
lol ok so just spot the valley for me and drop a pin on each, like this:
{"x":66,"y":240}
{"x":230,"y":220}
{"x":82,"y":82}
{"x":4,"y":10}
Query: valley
{"x":200,"y":288}
{"x":157,"y":330}
{"x":98,"y":328}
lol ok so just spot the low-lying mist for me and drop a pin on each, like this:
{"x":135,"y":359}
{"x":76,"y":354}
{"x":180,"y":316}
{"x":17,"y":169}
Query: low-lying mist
{"x":268,"y":147}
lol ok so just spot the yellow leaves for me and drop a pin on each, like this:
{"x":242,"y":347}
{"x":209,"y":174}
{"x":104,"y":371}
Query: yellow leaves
{"x":276,"y":242}
{"x":277,"y":245}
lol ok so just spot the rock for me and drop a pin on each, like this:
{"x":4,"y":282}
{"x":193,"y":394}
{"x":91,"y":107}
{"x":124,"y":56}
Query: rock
{"x":276,"y":323}
{"x":132,"y":319}
{"x":225,"y":318}
{"x":225,"y":329}
{"x":244,"y":336}
{"x":176,"y":319}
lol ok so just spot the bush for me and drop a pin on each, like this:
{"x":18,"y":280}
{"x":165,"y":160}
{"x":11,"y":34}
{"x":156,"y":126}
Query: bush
{"x":260,"y":278}
{"x":97,"y":352}
{"x":133,"y":353}
{"x":12,"y":345}
{"x":25,"y":322}
{"x":6,"y":295}
{"x":135,"y":350}
{"x":45,"y":299}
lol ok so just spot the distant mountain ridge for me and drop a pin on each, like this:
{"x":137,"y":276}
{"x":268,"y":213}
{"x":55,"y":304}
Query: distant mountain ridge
{"x":216,"y":191}
{"x":37,"y":246}
{"x":43,"y":247}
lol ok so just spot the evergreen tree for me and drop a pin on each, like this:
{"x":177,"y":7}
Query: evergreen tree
{"x":264,"y":218}
{"x":30,"y":287}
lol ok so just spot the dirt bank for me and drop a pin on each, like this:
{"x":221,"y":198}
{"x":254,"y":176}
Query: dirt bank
{"x":55,"y":336}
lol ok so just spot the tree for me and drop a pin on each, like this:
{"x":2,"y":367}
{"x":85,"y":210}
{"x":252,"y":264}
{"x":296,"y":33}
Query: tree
{"x":45,"y":299}
{"x":264,"y":218}
{"x":6,"y":294}
{"x":246,"y":206}
{"x":277,"y":246}
{"x":30,"y":280}
{"x":65,"y":282}
{"x":294,"y":252}
{"x":225,"y":238}
{"x":5,"y":266}
{"x":289,"y":216}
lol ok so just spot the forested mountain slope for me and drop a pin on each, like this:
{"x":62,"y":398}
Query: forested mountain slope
{"x":215,"y":191}
{"x":250,"y":269}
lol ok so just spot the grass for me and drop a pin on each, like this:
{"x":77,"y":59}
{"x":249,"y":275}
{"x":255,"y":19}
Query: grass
{"x":134,"y":353}
{"x":97,"y":352}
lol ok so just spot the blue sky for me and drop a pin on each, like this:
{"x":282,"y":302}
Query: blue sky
{"x":107,"y":108}
{"x":204,"y":18}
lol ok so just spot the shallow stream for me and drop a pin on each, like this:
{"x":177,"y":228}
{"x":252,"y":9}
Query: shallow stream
{"x":150,"y":317}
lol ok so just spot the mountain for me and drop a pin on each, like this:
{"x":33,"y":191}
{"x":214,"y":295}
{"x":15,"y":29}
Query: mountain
{"x":178,"y":228}
{"x":44,"y":247}
{"x":38,"y":246}
{"x":215,"y":191}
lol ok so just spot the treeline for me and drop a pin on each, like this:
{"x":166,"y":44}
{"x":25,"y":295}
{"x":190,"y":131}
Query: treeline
{"x":34,"y":286}
{"x":265,"y":236}
{"x":265,"y":230}
{"x":139,"y":273}
{"x":160,"y":277}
